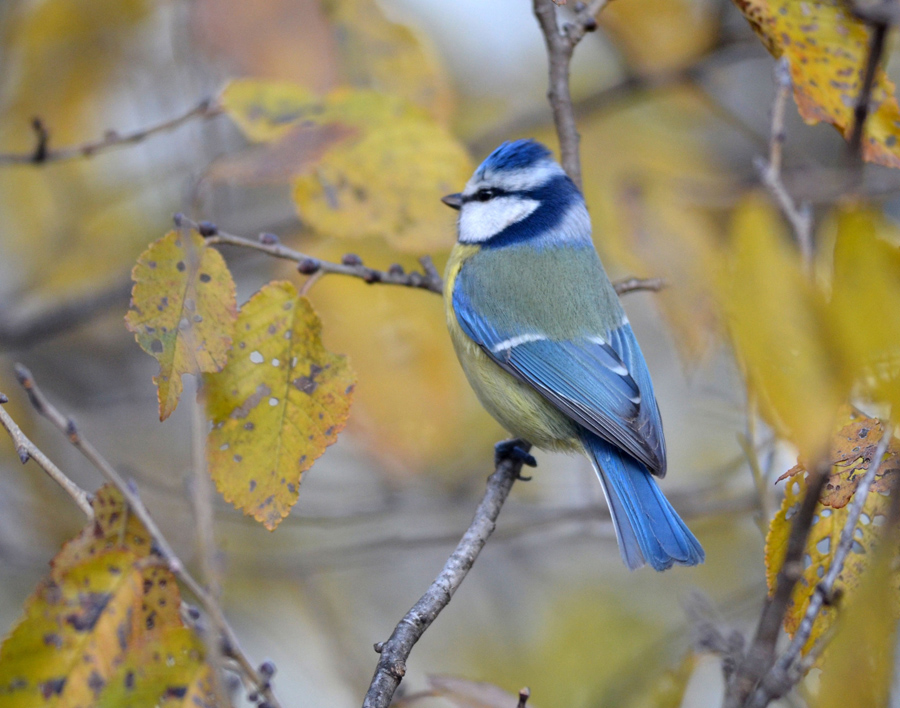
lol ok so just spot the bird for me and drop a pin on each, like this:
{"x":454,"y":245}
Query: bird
{"x":543,"y":340}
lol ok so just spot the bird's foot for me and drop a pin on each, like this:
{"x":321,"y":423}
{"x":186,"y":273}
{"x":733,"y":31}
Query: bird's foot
{"x":516,"y":450}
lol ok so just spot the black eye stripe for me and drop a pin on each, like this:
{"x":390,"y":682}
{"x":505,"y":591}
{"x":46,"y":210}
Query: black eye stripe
{"x":484,"y":195}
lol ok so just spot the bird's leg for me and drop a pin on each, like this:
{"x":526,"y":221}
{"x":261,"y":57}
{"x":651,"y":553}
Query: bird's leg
{"x":515,"y":449}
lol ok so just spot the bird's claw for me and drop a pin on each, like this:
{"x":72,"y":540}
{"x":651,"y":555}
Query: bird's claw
{"x":516,"y":450}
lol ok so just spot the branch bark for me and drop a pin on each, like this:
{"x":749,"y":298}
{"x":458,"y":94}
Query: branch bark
{"x":395,"y":651}
{"x":43,"y":153}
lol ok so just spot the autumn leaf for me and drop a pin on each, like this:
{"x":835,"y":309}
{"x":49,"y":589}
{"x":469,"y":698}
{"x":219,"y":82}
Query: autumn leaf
{"x":384,"y":181}
{"x":851,"y":455}
{"x":778,"y":325}
{"x":103,"y":602}
{"x":280,"y":401}
{"x":183,"y":310}
{"x":827,"y":49}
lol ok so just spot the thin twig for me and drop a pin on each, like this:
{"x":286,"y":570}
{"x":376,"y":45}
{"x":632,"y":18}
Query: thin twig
{"x":798,"y":215}
{"x":231,"y":644}
{"x":26,"y":450}
{"x":761,"y":654}
{"x":861,"y":108}
{"x":778,"y":681}
{"x":396,"y":650}
{"x":42,"y":153}
{"x":428,"y":279}
{"x":561,"y":43}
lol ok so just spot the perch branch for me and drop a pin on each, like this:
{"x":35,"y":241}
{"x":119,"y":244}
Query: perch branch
{"x":43,"y":153}
{"x":780,"y":678}
{"x":26,"y":450}
{"x":429,"y":279}
{"x":68,"y":427}
{"x":396,"y":650}
{"x":798,"y":215}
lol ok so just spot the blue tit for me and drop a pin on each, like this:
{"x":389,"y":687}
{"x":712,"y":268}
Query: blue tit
{"x":545,"y":343}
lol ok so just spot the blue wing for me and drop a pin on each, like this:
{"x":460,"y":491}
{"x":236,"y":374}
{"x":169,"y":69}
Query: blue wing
{"x":600,"y":381}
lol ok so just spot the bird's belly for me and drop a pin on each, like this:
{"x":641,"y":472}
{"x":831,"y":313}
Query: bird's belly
{"x":515,"y":405}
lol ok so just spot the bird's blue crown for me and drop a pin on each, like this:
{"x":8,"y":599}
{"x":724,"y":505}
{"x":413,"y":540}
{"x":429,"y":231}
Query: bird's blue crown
{"x":515,"y":155}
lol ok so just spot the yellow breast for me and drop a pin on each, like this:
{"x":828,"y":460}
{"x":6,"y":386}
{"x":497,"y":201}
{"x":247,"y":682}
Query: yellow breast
{"x":514,"y":404}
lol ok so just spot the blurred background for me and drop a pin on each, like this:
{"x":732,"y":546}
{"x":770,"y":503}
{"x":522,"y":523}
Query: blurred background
{"x":673,"y":100}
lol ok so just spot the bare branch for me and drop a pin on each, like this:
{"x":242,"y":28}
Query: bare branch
{"x":232,"y":647}
{"x":561,"y":42}
{"x":799,"y":216}
{"x":43,"y":153}
{"x":780,"y":679}
{"x":396,"y":650}
{"x":26,"y":450}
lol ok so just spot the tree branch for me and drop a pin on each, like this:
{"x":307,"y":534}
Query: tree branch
{"x":66,"y":425}
{"x":26,"y":450}
{"x":561,"y":43}
{"x":43,"y":153}
{"x":877,"y":38}
{"x":396,"y":650}
{"x":429,"y":279}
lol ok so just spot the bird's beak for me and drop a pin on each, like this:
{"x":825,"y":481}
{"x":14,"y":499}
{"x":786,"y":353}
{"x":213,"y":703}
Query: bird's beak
{"x":454,"y":201}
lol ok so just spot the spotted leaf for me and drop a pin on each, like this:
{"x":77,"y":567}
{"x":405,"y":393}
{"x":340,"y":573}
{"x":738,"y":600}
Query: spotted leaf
{"x":827,"y":49}
{"x":104,"y":603}
{"x":280,"y":401}
{"x":183,"y":310}
{"x":852,"y":450}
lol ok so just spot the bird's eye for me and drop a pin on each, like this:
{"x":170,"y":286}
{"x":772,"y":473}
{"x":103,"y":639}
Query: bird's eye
{"x":483,"y":195}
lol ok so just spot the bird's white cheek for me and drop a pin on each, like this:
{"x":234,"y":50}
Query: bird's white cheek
{"x":480,"y":221}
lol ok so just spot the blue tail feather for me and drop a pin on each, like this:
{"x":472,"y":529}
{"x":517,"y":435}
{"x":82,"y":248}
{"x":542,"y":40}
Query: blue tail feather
{"x":648,"y":529}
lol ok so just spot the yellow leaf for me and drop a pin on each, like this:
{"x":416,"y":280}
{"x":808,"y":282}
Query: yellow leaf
{"x":66,"y":645}
{"x":183,"y":310}
{"x":865,"y":301}
{"x":102,"y":605}
{"x":852,"y":450}
{"x":280,"y":401}
{"x":385,"y":181}
{"x":778,"y":326}
{"x":387,"y":57}
{"x":859,"y":663}
{"x":167,"y":669}
{"x":827,"y":48}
